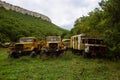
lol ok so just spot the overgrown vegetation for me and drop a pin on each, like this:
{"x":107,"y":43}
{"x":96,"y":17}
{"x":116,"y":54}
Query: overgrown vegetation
{"x":14,"y":25}
{"x":69,"y":67}
{"x":103,"y":23}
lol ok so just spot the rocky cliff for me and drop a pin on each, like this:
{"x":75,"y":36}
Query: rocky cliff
{"x":8,"y":6}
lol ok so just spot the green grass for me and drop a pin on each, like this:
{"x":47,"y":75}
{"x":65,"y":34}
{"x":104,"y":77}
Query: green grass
{"x":69,"y":67}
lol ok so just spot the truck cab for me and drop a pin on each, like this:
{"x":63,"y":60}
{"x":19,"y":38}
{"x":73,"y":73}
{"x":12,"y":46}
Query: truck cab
{"x":94,"y":47}
{"x":66,"y":42}
{"x":54,"y":44}
{"x":26,"y":45}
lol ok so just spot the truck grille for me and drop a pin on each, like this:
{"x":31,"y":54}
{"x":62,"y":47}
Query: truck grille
{"x":97,"y":49}
{"x":19,"y":47}
{"x":53,"y":45}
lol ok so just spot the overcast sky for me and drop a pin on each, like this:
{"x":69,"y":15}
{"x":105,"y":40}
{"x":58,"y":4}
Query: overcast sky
{"x":62,"y":12}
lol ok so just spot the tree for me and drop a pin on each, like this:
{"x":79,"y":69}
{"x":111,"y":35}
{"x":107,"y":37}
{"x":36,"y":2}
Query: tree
{"x":103,"y":23}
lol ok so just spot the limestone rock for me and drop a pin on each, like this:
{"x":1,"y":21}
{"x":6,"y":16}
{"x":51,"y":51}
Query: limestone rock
{"x":8,"y":6}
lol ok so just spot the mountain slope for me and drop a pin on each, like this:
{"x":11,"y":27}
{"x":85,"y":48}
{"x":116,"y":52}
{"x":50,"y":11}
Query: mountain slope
{"x":14,"y":25}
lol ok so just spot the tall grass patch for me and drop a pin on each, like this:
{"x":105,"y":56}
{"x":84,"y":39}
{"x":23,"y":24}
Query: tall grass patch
{"x":64,"y":67}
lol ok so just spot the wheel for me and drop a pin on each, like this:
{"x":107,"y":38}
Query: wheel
{"x":42,"y":52}
{"x":85,"y":55}
{"x":63,"y":53}
{"x":10,"y":55}
{"x":33,"y":54}
{"x":13,"y":55}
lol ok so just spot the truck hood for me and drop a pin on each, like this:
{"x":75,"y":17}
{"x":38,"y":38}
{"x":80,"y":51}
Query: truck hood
{"x":95,"y":45}
{"x":25,"y":43}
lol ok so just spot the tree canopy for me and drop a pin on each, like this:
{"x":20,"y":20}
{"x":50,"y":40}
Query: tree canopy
{"x":102,"y":23}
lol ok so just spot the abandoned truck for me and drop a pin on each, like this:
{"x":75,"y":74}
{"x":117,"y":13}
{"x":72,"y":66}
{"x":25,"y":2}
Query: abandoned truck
{"x":88,"y":47}
{"x":94,"y":47}
{"x":26,"y":45}
{"x":53,"y":45}
{"x":66,"y":42}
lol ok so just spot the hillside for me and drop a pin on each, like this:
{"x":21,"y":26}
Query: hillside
{"x":14,"y":25}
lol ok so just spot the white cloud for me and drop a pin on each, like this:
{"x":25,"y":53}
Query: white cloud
{"x":61,"y":12}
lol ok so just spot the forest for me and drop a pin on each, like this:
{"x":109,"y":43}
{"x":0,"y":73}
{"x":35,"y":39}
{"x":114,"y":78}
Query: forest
{"x":103,"y":22}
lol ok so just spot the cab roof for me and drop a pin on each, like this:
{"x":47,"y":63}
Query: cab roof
{"x":65,"y":39}
{"x":79,"y":35}
{"x":53,"y":36}
{"x":28,"y":37}
{"x":92,"y":38}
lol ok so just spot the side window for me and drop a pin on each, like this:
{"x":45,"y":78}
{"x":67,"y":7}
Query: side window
{"x":73,"y":38}
{"x":35,"y":40}
{"x":83,"y":41}
{"x":76,"y":38}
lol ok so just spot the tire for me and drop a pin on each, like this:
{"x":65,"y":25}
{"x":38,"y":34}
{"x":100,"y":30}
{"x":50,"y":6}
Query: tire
{"x":33,"y":54}
{"x":42,"y":52}
{"x":10,"y":55}
{"x":85,"y":55}
{"x":63,"y":53}
{"x":13,"y":55}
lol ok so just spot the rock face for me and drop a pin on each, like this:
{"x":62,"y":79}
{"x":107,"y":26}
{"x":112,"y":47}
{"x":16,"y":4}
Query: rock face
{"x":8,"y":6}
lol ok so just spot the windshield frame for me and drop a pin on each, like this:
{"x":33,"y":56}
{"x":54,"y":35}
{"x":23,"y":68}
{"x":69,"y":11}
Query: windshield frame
{"x":53,"y":39}
{"x":26,"y":40}
{"x":93,"y":41}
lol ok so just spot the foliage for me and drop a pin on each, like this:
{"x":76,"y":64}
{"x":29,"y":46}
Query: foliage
{"x":103,"y":23}
{"x":14,"y":25}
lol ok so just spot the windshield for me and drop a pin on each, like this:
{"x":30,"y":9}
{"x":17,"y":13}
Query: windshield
{"x":99,"y":41}
{"x":93,"y":41}
{"x":66,"y":41}
{"x":26,"y":40}
{"x":53,"y":39}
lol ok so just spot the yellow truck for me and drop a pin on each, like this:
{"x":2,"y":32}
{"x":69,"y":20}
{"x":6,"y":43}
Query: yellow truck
{"x":53,"y":45}
{"x":26,"y":45}
{"x":66,"y":42}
